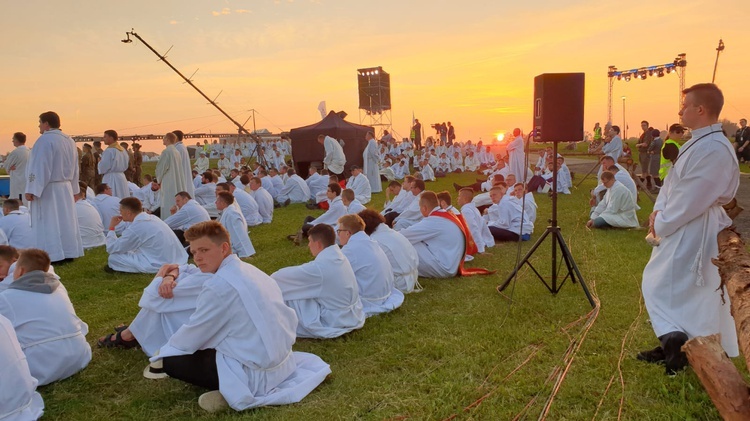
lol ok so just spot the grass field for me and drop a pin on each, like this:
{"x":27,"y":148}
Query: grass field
{"x":457,"y":349}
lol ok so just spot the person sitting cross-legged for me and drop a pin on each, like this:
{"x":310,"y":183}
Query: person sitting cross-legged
{"x":48,"y":329}
{"x":324,"y":292}
{"x":371,"y":267}
{"x":145,"y":245}
{"x":335,"y":210}
{"x":238,"y":341}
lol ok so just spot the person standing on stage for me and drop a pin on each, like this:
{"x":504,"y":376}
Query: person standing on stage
{"x":51,"y":182}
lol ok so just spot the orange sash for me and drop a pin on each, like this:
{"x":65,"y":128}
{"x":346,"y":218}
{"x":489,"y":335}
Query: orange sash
{"x":469,"y":243}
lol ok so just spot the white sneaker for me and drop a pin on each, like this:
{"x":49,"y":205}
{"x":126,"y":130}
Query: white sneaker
{"x":212,"y":401}
{"x":155,"y":371}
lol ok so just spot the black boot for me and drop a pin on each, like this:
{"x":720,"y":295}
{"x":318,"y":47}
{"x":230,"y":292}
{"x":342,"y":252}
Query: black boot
{"x":675,"y":360}
{"x":654,"y":356}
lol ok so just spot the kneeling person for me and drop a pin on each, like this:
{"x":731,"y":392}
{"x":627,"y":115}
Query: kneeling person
{"x":324,"y":292}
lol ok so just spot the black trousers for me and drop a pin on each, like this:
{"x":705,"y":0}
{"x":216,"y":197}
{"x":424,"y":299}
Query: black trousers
{"x":181,"y":236}
{"x":535,"y":182}
{"x":389,"y":217}
{"x":306,"y":225}
{"x":198,"y":369}
{"x":503,"y":235}
{"x":157,"y":212}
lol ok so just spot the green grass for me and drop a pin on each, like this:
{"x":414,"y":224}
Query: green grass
{"x":443,"y":350}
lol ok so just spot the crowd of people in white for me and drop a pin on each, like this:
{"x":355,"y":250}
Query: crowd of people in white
{"x":364,"y":260}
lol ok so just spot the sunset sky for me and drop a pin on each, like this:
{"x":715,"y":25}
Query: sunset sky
{"x":468,"y":62}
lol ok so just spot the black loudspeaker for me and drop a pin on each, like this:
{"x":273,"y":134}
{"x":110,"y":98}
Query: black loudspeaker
{"x":374,"y":89}
{"x":558,"y":107}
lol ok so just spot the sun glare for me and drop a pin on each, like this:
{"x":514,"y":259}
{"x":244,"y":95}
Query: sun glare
{"x":500,"y":137}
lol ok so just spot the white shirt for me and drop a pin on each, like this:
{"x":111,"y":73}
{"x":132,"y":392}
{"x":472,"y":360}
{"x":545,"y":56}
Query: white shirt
{"x":49,"y":331}
{"x":324,"y":294}
{"x":402,"y":256}
{"x":374,"y":274}
{"x":334,"y":155}
{"x":248,"y":206}
{"x":440,"y":245}
{"x":235,"y":223}
{"x":265,"y":204}
{"x":90,"y":224}
{"x":17,"y":228}
{"x":107,"y":206}
{"x":411,"y":214}
{"x":335,"y":211}
{"x":18,"y":397}
{"x":145,"y":245}
{"x":355,"y":206}
{"x":241,"y":314}
{"x":188,"y":215}
{"x":361,"y":187}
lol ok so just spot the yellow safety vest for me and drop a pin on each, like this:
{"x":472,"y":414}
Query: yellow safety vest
{"x":666,"y":164}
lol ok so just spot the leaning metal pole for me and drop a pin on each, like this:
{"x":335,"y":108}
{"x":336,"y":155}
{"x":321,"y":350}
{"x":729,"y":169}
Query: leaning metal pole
{"x":240,"y":127}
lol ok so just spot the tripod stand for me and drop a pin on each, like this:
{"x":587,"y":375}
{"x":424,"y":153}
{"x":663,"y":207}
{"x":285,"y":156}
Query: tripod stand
{"x":557,"y":240}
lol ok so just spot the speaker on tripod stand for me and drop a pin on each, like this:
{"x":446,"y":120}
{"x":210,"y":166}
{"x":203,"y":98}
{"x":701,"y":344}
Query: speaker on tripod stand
{"x":558,"y":117}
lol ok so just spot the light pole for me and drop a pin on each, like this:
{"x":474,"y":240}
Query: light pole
{"x":624,"y":125}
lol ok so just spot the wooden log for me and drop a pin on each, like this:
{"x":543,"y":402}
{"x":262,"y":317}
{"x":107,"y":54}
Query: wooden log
{"x":719,"y":377}
{"x":734,"y":267}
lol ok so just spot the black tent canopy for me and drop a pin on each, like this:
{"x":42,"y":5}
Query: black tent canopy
{"x":306,"y":149}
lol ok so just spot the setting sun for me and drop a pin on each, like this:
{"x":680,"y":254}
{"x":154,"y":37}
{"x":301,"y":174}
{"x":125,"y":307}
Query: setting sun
{"x":500,"y":137}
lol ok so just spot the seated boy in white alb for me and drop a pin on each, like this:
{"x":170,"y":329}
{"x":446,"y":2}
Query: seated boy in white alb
{"x":323,"y":292}
{"x":37,"y":305}
{"x":234,"y":222}
{"x":371,"y":267}
{"x":238,"y":342}
{"x":19,"y":400}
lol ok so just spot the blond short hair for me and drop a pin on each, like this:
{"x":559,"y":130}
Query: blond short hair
{"x":213,"y":230}
{"x":352,"y":223}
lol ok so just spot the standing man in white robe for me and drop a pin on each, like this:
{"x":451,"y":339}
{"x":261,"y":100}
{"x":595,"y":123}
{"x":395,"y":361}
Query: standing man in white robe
{"x":235,"y":224}
{"x":145,"y":245}
{"x":15,"y":166}
{"x":617,"y":209}
{"x":113,"y":164}
{"x":19,"y":400}
{"x":48,"y":329}
{"x":681,"y":287}
{"x":440,"y":244}
{"x":249,"y":367}
{"x":171,"y":175}
{"x":371,"y":267}
{"x":370,"y":159}
{"x":361,"y":186}
{"x":334,"y":159}
{"x":401,"y":254}
{"x":52,"y":180}
{"x":185,"y":158}
{"x":517,"y":156}
{"x":324,"y":292}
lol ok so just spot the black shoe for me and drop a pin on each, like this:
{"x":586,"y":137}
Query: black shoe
{"x":109,"y":269}
{"x":654,"y":356}
{"x":456,"y":186}
{"x":311,"y":206}
{"x":62,"y":262}
{"x":675,"y":360}
{"x":276,"y":205}
{"x":287,"y":202}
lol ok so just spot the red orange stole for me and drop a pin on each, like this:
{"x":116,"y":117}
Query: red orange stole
{"x":471,"y":246}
